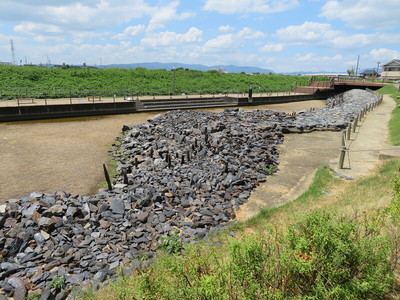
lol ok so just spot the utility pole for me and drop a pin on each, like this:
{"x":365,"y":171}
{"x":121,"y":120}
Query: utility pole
{"x":174,"y":70}
{"x":358,"y":61}
{"x":12,"y":51}
{"x":377,"y":68}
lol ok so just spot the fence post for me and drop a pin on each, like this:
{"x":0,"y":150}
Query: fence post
{"x":70,"y":97}
{"x":348,"y":132}
{"x":355,"y":122}
{"x":342,"y":151}
{"x":107,"y":176}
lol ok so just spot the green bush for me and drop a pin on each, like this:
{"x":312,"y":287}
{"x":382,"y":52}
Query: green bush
{"x":321,"y":256}
{"x":338,"y":259}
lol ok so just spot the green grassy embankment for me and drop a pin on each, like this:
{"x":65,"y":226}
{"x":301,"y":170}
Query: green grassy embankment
{"x":56,"y":82}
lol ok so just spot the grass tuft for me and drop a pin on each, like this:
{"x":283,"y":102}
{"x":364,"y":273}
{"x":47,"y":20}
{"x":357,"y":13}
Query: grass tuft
{"x":394,"y":123}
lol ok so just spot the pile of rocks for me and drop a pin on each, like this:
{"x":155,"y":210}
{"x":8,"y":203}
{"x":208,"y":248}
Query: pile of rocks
{"x":340,"y":112}
{"x":183,"y":170}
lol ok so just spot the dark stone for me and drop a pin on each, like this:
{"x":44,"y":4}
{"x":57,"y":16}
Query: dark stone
{"x":143,"y":217}
{"x":100,"y":276}
{"x":62,"y":295}
{"x":20,"y":293}
{"x":117,"y":206}
{"x":47,"y":295}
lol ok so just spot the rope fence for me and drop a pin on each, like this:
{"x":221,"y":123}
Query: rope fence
{"x":351,"y":129}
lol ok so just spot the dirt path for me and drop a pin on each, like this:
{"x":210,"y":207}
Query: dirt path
{"x":301,"y":154}
{"x":68,"y":154}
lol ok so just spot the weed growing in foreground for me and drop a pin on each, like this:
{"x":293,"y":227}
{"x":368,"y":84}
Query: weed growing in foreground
{"x":322,"y":256}
{"x":57,"y":282}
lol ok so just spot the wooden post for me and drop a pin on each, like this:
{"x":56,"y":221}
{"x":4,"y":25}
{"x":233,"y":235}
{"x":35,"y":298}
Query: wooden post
{"x":107,"y":177}
{"x":342,"y":156}
{"x":344,"y":139}
{"x":169,"y":161}
{"x":343,"y":150}
{"x":166,"y":156}
{"x":355,"y":122}
{"x":125,"y":175}
{"x":348,"y":132}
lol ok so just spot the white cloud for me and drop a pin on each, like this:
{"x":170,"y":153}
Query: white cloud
{"x":307,"y":32}
{"x":226,"y":28}
{"x":229,"y":41}
{"x":364,"y":13}
{"x":356,"y":41}
{"x":248,"y":33}
{"x":162,"y":15}
{"x":87,"y":15}
{"x":84,"y":36}
{"x":322,"y":34}
{"x":384,"y":55}
{"x":130,"y":31}
{"x":273,"y":48}
{"x":220,"y":43}
{"x":35,"y":28}
{"x":253,"y":6}
{"x":169,"y":38}
{"x":313,"y":58}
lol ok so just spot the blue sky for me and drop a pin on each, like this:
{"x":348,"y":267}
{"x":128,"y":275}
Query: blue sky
{"x":281,"y":35}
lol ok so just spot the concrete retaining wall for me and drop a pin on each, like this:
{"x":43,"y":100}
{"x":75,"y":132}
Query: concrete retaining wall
{"x":280,"y":99}
{"x":22,"y":113}
{"x":37,"y":112}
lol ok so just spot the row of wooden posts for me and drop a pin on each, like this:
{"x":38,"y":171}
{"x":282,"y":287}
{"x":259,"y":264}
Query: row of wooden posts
{"x":351,"y":129}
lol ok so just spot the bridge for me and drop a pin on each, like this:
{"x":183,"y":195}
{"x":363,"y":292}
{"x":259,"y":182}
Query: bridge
{"x":336,"y":85}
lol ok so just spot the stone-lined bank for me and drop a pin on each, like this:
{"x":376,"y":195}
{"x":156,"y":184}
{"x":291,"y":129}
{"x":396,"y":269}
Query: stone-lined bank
{"x":186,"y":170}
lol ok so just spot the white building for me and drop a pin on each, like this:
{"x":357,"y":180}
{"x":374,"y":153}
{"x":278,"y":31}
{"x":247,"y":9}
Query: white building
{"x":391,"y":70}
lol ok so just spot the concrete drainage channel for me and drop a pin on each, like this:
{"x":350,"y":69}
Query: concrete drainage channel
{"x":37,"y":112}
{"x":184,"y":170}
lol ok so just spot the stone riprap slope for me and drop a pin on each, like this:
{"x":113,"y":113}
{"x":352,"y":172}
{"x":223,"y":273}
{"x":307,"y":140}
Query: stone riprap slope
{"x":184,"y":170}
{"x":340,"y":112}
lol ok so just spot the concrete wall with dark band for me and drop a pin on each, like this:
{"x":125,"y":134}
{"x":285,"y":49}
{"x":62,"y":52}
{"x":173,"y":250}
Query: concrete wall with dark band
{"x":22,"y":113}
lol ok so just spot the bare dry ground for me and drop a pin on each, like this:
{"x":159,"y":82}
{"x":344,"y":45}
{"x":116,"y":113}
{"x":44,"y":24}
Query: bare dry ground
{"x":67,"y":154}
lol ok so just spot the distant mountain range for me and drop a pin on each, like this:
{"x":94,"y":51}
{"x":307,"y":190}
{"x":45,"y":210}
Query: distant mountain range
{"x":170,"y":66}
{"x":315,"y":73}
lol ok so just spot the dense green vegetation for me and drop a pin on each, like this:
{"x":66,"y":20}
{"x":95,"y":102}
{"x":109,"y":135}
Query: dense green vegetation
{"x":329,"y":252}
{"x":57,"y":82}
{"x":394,"y":124}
